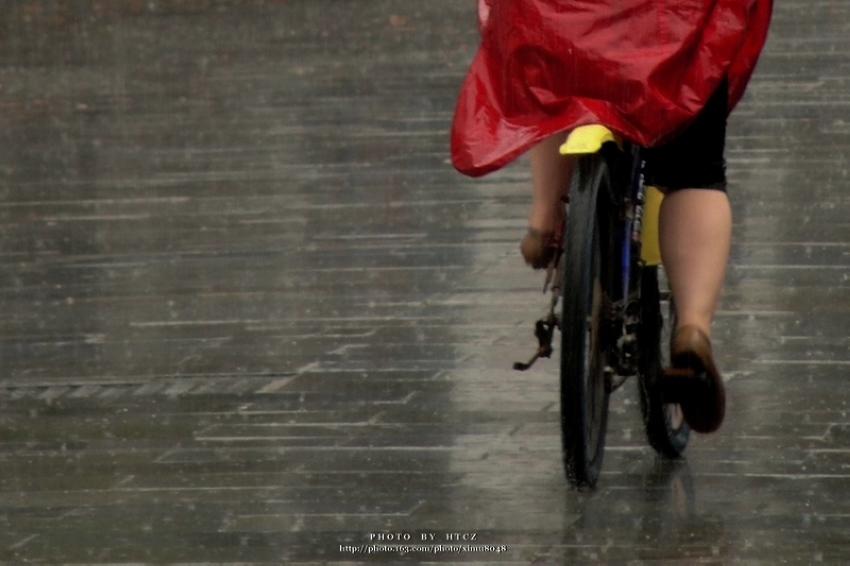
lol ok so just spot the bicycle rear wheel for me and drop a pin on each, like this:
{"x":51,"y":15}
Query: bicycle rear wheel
{"x":664,"y":425}
{"x":585,"y":334}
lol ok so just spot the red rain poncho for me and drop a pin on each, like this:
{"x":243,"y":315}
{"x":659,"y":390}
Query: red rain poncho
{"x":642,"y":67}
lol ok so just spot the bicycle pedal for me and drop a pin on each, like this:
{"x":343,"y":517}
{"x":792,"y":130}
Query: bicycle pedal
{"x":525,"y":366}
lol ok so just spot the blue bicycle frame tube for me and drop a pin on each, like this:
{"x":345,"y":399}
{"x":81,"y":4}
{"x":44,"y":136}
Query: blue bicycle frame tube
{"x":633,"y":194}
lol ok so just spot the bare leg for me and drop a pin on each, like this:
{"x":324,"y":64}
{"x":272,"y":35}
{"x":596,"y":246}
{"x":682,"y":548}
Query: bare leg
{"x":550,"y":178}
{"x":695,"y":231}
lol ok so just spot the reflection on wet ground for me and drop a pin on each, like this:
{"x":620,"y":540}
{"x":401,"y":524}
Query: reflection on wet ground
{"x":250,"y":313}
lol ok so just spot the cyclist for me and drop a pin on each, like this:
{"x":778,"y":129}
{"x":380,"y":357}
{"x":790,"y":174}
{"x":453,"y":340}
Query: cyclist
{"x":663,"y":73}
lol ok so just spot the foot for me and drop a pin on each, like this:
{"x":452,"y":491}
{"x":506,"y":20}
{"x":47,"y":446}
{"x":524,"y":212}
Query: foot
{"x":539,"y":249}
{"x":692,"y":380}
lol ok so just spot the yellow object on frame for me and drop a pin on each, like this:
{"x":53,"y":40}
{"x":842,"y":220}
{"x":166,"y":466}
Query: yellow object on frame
{"x":650,"y":249}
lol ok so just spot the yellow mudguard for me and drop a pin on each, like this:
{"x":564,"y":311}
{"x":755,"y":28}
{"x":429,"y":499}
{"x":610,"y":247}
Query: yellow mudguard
{"x":650,"y":250}
{"x":587,"y":139}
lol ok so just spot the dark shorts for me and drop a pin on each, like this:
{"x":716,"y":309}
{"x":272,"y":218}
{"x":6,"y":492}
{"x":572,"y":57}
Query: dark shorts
{"x":694,"y":159}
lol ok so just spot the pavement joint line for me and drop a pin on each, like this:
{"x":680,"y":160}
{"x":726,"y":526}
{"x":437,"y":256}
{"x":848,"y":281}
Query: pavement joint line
{"x":278,"y":384}
{"x":770,"y":362}
{"x":23,"y":542}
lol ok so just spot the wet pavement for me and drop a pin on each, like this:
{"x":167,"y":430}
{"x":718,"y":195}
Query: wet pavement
{"x":250,"y":314}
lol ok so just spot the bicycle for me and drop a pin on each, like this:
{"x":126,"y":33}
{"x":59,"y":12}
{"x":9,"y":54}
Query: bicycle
{"x":611,"y":317}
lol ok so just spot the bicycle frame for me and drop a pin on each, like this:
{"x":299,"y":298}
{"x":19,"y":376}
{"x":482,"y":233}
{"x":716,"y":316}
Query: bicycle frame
{"x":610,"y":317}
{"x":591,"y":139}
{"x":638,"y":207}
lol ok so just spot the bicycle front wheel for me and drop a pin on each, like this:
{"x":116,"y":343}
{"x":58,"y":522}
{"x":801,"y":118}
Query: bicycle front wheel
{"x":585,"y":336}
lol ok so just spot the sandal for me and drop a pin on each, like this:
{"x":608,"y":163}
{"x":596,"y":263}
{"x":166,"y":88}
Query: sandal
{"x":692,"y":380}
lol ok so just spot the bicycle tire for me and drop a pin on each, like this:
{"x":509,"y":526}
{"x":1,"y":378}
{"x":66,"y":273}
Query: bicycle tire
{"x":585,"y":378}
{"x":665,"y":429}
